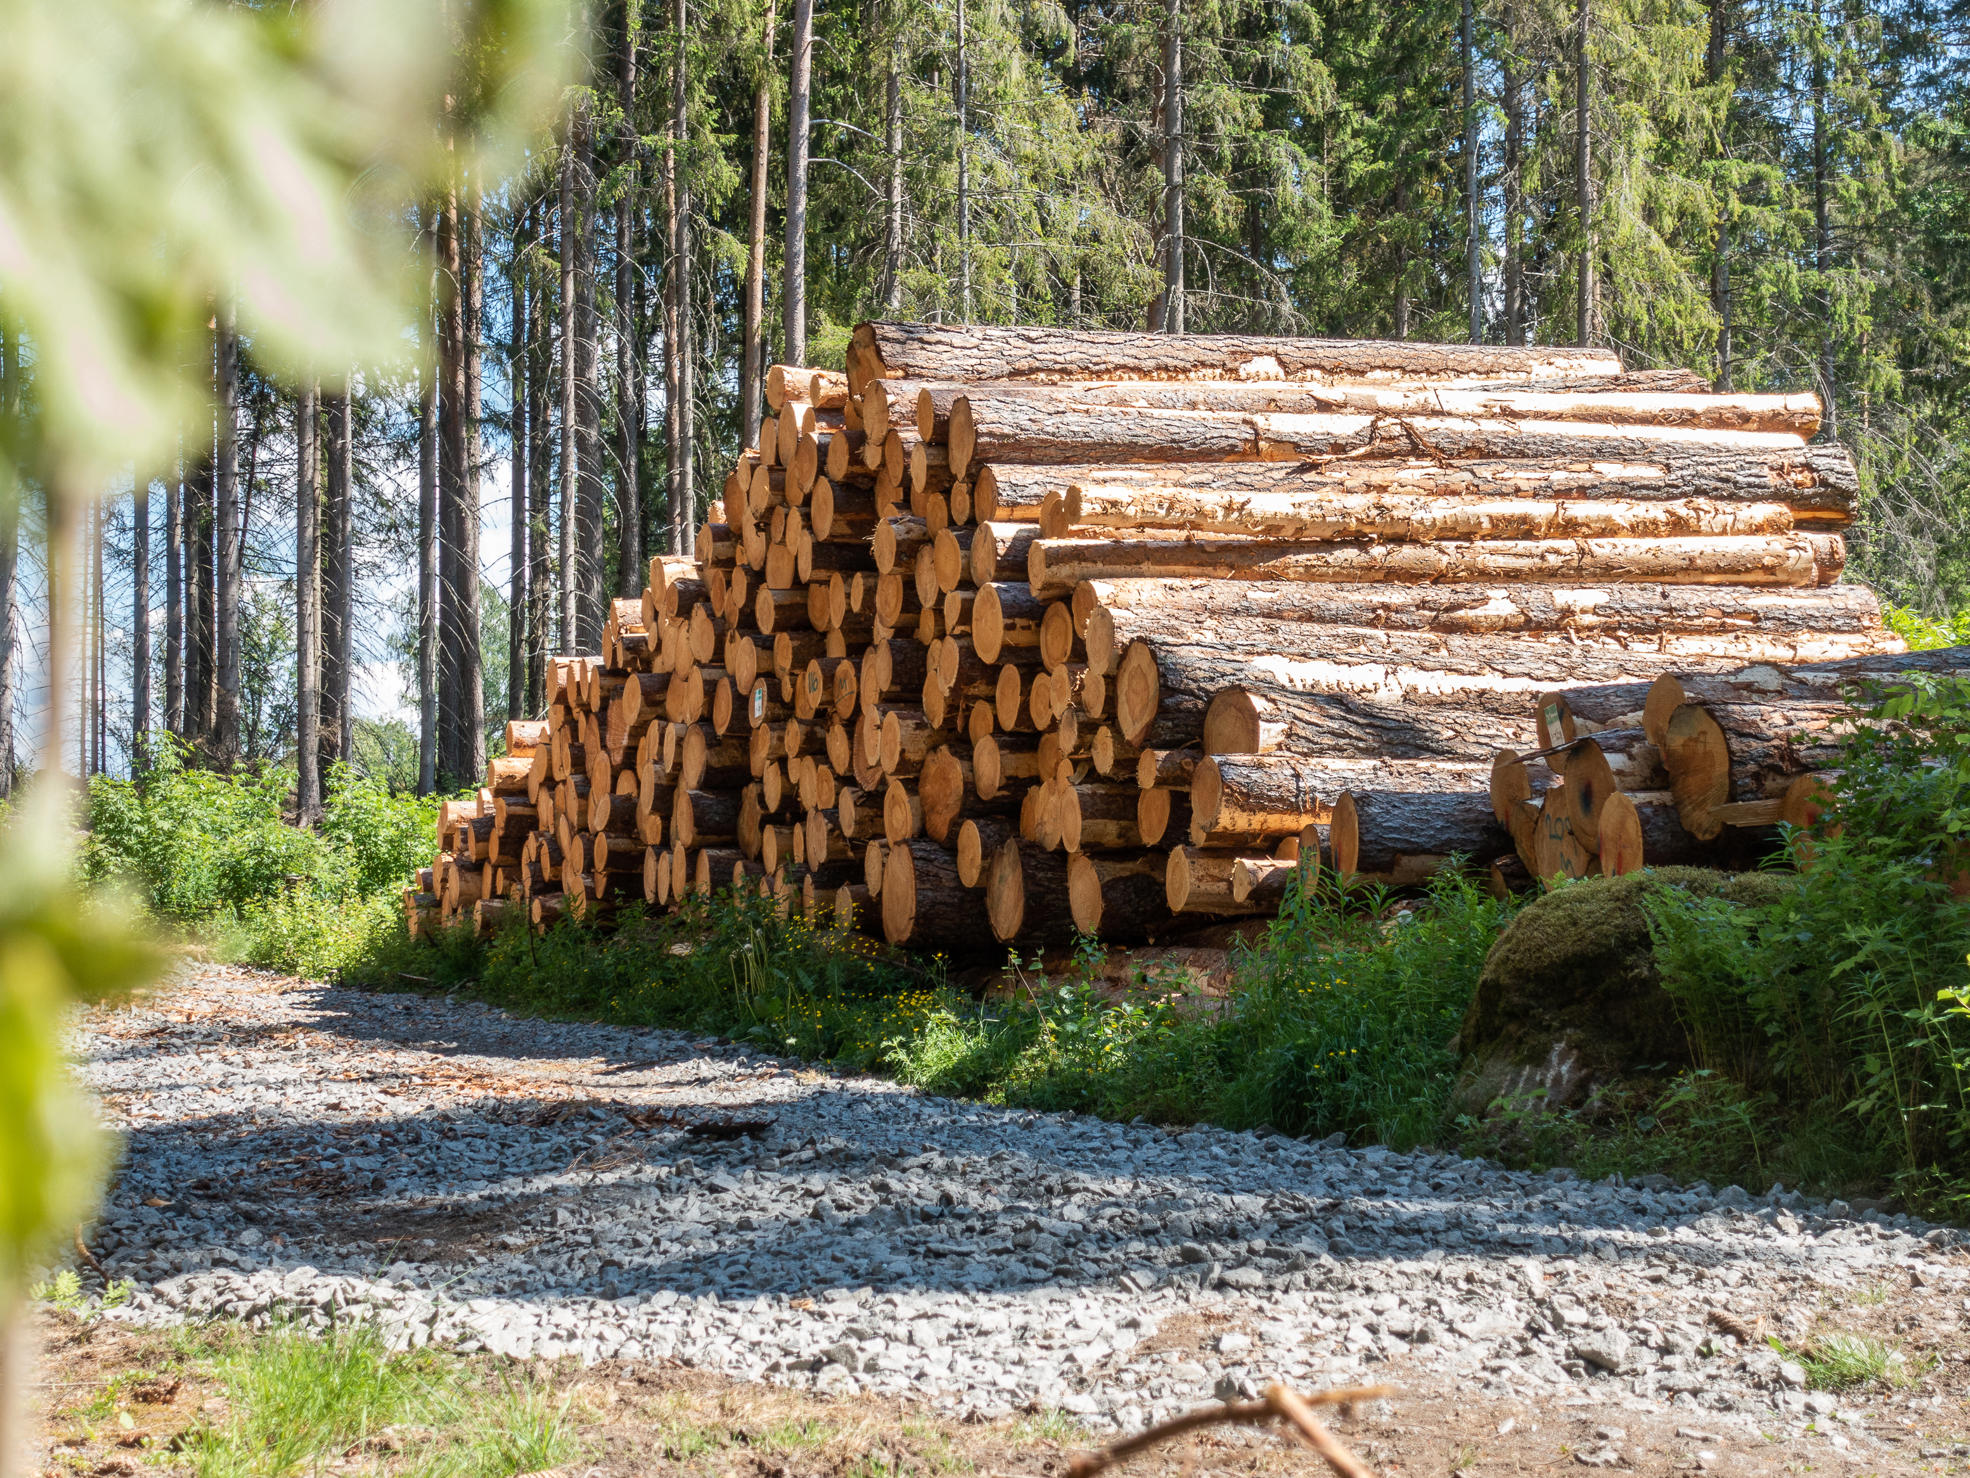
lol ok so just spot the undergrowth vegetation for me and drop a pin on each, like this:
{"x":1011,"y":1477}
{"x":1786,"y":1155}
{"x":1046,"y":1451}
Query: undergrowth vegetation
{"x":218,"y":855}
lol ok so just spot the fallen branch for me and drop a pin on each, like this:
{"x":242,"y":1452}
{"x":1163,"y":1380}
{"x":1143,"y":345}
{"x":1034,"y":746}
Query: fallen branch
{"x":1278,"y":1404}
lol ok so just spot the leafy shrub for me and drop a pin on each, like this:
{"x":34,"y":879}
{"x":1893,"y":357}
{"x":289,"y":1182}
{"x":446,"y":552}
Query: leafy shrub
{"x":1844,"y":996}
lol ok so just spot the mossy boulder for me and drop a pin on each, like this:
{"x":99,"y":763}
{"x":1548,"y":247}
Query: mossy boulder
{"x":1570,"y":999}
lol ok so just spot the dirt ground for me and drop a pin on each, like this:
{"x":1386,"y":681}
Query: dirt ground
{"x":113,"y":1402}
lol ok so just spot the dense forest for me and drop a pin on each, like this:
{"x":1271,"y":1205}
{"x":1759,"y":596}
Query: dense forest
{"x":1773,"y":192}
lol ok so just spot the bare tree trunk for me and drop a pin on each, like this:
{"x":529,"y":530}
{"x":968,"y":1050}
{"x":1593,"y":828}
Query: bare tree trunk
{"x":1720,"y":265}
{"x":540,"y":491}
{"x":799,"y":101}
{"x":684,"y":501}
{"x":1822,"y":222}
{"x":1401,"y":329}
{"x":1514,"y":85}
{"x":1473,"y":259}
{"x":225,"y":726}
{"x":568,"y":245}
{"x":629,"y":497}
{"x":429,"y":597}
{"x":964,"y":160}
{"x":10,"y":545}
{"x":201,"y":663}
{"x":753,"y":364}
{"x":85,"y":731}
{"x":1173,"y":304}
{"x":591,"y":558}
{"x":1583,"y":179}
{"x":174,"y":609}
{"x":472,"y":685}
{"x":337,"y":578}
{"x":518,"y":608}
{"x":892,"y":238}
{"x":451,"y":483}
{"x":99,"y":707}
{"x":140,"y":683}
{"x":673,"y":332}
{"x":307,"y":609}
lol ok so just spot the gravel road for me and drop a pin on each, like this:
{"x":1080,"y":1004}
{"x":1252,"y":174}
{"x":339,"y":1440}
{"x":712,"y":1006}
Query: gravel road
{"x":460,"y":1175}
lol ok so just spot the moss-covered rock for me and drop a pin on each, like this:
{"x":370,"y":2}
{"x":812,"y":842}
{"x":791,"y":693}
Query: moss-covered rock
{"x":1570,"y":999}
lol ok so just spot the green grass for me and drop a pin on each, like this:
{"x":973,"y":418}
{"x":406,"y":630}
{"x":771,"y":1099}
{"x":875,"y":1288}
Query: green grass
{"x":296,"y":1404}
{"x":1850,"y":1362}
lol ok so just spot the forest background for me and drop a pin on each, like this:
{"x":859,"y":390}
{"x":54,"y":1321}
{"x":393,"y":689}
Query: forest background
{"x":372,"y":566}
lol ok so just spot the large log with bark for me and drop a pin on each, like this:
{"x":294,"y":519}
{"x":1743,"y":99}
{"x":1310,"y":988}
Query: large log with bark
{"x":1026,"y":898}
{"x":1618,"y":610}
{"x":1119,"y":898}
{"x":973,"y":352}
{"x":1404,"y":836}
{"x":924,"y":905}
{"x":1249,"y":800}
{"x":1055,"y":566}
{"x":1818,"y":483}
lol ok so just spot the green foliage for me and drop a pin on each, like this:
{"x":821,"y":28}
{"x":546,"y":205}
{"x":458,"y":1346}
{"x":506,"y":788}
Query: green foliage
{"x":296,"y":1404}
{"x":218,"y":853}
{"x":64,"y":1291}
{"x":1923,"y":634}
{"x":1844,"y":996}
{"x":1340,"y":1020}
{"x":1847,"y":1362}
{"x":58,"y":944}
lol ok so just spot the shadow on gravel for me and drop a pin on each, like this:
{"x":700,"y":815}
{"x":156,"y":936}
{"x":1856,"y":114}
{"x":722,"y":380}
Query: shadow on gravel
{"x":514,"y":1191}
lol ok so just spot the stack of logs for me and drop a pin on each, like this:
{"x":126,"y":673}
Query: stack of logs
{"x":1111,"y":631}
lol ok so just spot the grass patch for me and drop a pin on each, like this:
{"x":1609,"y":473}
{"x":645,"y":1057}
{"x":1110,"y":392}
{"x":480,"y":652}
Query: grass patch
{"x":1851,"y":1362}
{"x":296,"y":1404}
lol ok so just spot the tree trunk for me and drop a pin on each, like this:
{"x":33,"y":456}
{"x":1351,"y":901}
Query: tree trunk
{"x":540,"y":490}
{"x":1473,"y":258}
{"x":1120,"y":899}
{"x":923,"y":903}
{"x":10,"y":544}
{"x":174,"y":617}
{"x":204,"y":694}
{"x":1249,"y":800}
{"x":1716,"y":58}
{"x":1514,"y":88}
{"x":629,"y":480}
{"x":1583,"y":180}
{"x":568,"y":247}
{"x":794,"y":291}
{"x":753,"y":329}
{"x":1173,"y":292}
{"x":963,"y":79}
{"x":140,"y":656}
{"x":1026,"y":895}
{"x":892,"y":237}
{"x":518,"y":364}
{"x":472,"y":695}
{"x":1818,"y":483}
{"x":974,"y":352}
{"x":1055,"y":566}
{"x":590,"y":557}
{"x":1822,"y":220}
{"x":307,"y":608}
{"x":452,"y":476}
{"x":338,"y":582}
{"x":429,"y":597}
{"x":1122,"y":610}
{"x":1053,"y":427}
{"x":1404,"y":836}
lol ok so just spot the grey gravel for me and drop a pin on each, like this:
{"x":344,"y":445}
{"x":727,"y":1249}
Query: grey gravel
{"x":454,"y":1174}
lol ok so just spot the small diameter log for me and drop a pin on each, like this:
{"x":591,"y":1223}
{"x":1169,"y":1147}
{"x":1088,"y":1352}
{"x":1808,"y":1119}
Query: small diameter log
{"x":1119,"y":898}
{"x":979,"y":839}
{"x":1162,"y":815}
{"x":1636,"y":834}
{"x":941,"y":787}
{"x":1248,"y":800}
{"x":1267,"y":880}
{"x":923,"y":903}
{"x":1199,"y":882}
{"x":1404,"y":836}
{"x":701,"y":818}
{"x":1026,"y":895}
{"x":1001,"y":552}
{"x":902,"y":812}
{"x":1697,"y":756}
{"x":1055,"y":566}
{"x":1005,"y":615}
{"x":1097,"y":818}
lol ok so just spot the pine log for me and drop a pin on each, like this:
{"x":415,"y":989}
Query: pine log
{"x":1001,"y":552}
{"x":1005,"y":615}
{"x":1055,"y":566}
{"x":1162,"y":814}
{"x":1762,"y":684}
{"x":1819,"y":483}
{"x":1199,"y":882}
{"x":1267,"y":880}
{"x":979,"y":839}
{"x":1403,"y":836}
{"x":1784,"y":619}
{"x":1026,"y":895}
{"x":1248,"y":800}
{"x":923,"y":903}
{"x":1118,"y":898}
{"x":1093,"y":817}
{"x":1408,"y":517}
{"x":704,"y":818}
{"x":941,"y":788}
{"x":998,"y":761}
{"x":970,"y":353}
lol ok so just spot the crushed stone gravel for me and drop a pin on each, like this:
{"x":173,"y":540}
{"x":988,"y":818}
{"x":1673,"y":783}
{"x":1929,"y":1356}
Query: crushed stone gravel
{"x":455,"y":1174}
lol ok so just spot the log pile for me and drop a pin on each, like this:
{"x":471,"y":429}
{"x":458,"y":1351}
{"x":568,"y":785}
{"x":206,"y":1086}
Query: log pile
{"x":1009,"y":632}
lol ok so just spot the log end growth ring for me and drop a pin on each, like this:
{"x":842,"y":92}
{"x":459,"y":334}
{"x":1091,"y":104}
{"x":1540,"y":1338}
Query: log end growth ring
{"x":1138,"y":692}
